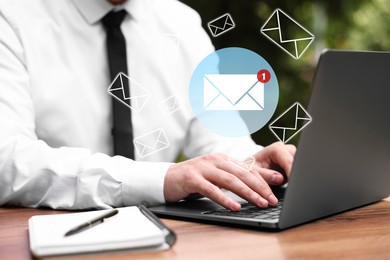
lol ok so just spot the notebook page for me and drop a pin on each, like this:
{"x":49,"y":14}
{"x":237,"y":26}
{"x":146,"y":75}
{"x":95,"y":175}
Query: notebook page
{"x":127,"y":229}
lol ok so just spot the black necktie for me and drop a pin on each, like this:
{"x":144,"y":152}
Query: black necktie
{"x":116,"y":47}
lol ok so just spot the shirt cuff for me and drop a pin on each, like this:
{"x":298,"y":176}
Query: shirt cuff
{"x":143,"y":182}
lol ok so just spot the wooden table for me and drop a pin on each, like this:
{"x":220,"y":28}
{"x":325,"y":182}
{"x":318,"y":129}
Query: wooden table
{"x":359,"y":234}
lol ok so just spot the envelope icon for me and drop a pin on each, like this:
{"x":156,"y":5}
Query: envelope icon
{"x":290,"y":123}
{"x":134,"y":99}
{"x":151,"y":142}
{"x":221,"y":25}
{"x":286,"y":33}
{"x":232,"y":92}
{"x":169,"y":105}
{"x":247,"y":164}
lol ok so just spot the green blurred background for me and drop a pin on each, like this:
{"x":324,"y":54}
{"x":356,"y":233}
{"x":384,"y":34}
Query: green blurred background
{"x":350,"y":24}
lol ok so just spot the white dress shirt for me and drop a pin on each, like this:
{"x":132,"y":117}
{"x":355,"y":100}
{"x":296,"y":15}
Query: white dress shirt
{"x":55,"y":136}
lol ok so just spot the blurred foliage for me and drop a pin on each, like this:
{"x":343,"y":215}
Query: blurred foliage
{"x":351,"y":24}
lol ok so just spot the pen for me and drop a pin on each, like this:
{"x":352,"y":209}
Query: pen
{"x":91,"y":223}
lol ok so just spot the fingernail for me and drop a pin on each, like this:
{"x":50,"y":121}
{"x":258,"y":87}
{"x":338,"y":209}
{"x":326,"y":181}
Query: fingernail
{"x":272,"y":199}
{"x":262,"y":202}
{"x":235,"y":206}
{"x":276,"y":178}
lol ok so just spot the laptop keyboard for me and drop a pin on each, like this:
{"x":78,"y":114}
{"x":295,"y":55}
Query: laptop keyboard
{"x":249,"y":210}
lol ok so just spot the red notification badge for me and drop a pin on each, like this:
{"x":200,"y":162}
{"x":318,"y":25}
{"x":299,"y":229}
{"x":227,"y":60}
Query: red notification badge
{"x":263,"y":76}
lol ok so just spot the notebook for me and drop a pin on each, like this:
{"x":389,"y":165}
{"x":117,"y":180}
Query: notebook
{"x":342,"y":160}
{"x":132,"y":228}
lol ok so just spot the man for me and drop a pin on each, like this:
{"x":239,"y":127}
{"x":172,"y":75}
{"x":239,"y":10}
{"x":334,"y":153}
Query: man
{"x":56,"y":145}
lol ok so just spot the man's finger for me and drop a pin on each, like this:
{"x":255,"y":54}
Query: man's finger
{"x":234,"y":184}
{"x":211,"y":191}
{"x":271,"y":176}
{"x":292,"y":149}
{"x":281,"y":155}
{"x":249,"y":186}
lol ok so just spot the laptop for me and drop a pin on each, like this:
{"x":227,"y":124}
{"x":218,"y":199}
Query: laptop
{"x":343,"y":155}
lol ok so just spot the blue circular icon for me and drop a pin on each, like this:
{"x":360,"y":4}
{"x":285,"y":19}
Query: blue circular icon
{"x":234,"y":92}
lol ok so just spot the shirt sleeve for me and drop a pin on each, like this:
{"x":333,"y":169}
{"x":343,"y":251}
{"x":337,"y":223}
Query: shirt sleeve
{"x":33,"y":174}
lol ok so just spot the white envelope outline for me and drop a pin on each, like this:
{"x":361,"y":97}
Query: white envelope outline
{"x":232,"y":92}
{"x":151,"y":142}
{"x":227,"y":24}
{"x":247,"y":164}
{"x":169,"y":105}
{"x":120,"y":90}
{"x":309,"y":36}
{"x":306,"y":119}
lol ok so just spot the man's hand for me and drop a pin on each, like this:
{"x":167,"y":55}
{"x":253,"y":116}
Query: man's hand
{"x":207,"y":174}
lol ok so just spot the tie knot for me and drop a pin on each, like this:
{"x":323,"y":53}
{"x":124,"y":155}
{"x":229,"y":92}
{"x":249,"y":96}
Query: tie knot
{"x":114,"y":19}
